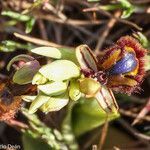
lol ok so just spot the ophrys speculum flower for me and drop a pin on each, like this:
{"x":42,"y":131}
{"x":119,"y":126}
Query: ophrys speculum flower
{"x":123,"y":65}
{"x":120,"y":68}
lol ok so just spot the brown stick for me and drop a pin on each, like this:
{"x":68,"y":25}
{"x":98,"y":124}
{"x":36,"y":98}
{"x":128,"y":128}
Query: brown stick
{"x":103,"y":36}
{"x":133,"y":115}
{"x":106,"y":13}
{"x":17,"y":124}
{"x":42,"y":29}
{"x":68,"y":21}
{"x":103,"y":135}
{"x":38,"y":41}
{"x":143,"y":113}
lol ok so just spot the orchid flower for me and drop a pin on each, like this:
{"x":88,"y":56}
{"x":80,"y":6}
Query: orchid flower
{"x":89,"y":67}
{"x":79,"y":73}
{"x":120,"y":68}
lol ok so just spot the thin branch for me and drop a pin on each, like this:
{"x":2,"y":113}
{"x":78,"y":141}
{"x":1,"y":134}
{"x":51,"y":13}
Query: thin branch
{"x":17,"y":124}
{"x":106,"y":31}
{"x":133,"y":131}
{"x":38,"y":41}
{"x":68,"y":21}
{"x":133,"y":115}
{"x":142,"y":113}
{"x":111,"y":16}
{"x":42,"y":29}
{"x":104,"y":134}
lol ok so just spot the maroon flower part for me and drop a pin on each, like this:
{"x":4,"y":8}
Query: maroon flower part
{"x":95,"y":80}
{"x":119,"y":68}
{"x":123,"y":65}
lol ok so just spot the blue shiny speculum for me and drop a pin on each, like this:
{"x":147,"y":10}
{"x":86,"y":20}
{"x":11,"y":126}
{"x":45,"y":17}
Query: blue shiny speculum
{"x":125,"y":65}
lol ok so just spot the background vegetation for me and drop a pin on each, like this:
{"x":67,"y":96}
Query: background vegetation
{"x":25,"y":24}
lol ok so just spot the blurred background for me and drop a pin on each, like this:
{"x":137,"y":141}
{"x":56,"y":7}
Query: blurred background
{"x":25,"y":24}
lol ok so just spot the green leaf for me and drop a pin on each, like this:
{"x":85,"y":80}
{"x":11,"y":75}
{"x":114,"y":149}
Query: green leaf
{"x":68,"y":54}
{"x":128,"y":8}
{"x":38,"y":102}
{"x":60,"y":70}
{"x":55,"y":103}
{"x":87,"y":115}
{"x":26,"y":73}
{"x":142,"y":38}
{"x":31,"y":143}
{"x":54,"y":88}
{"x":29,"y":25}
{"x":10,"y":46}
{"x":127,"y":13}
{"x":17,"y":16}
{"x":125,"y":3}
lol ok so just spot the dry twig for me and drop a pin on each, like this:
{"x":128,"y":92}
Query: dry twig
{"x":38,"y":41}
{"x":106,"y":31}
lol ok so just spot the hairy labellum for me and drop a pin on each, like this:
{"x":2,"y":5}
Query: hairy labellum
{"x":124,"y":64}
{"x":120,"y":68}
{"x":91,"y":87}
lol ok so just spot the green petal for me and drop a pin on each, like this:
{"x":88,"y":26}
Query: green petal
{"x":48,"y":52}
{"x":38,"y":102}
{"x":39,"y":79}
{"x":54,"y":88}
{"x":28,"y":98}
{"x":60,"y":70}
{"x":74,"y":91}
{"x":55,"y":103}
